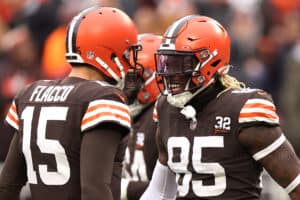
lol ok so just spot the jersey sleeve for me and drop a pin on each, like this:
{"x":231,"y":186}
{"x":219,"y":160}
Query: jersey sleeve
{"x":12,"y":117}
{"x":258,"y":109}
{"x":102,"y":110}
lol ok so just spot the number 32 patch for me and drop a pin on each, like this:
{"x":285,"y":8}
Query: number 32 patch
{"x":222,"y":125}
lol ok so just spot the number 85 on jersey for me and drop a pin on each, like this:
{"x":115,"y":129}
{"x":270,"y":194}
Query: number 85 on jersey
{"x":184,"y":175}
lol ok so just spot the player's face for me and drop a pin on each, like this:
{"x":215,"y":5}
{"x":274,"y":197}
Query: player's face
{"x":176,"y":71}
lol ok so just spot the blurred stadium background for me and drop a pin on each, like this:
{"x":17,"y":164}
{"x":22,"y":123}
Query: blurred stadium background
{"x":265,"y":48}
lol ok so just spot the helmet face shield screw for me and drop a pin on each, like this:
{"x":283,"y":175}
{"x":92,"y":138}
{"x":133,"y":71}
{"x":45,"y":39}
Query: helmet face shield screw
{"x":146,"y":96}
{"x":201,"y":79}
{"x":204,"y":54}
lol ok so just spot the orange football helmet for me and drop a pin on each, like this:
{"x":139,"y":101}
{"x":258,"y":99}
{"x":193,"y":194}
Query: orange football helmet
{"x":142,"y":80}
{"x":102,"y":37}
{"x":194,"y":50}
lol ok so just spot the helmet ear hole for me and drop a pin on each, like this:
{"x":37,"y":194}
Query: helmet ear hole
{"x":214,"y":64}
{"x":112,"y":56}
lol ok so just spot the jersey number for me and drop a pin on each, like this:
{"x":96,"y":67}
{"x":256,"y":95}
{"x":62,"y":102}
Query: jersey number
{"x":181,"y":167}
{"x":47,"y":146}
{"x":137,"y":167}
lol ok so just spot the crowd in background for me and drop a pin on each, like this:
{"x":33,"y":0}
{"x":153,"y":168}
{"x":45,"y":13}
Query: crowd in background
{"x":265,"y":50}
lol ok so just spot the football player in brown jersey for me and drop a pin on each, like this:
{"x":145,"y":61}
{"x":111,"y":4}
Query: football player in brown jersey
{"x":68,"y":131}
{"x":214,"y":135}
{"x":142,"y":91}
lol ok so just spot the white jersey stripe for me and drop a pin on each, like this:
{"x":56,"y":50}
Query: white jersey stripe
{"x":12,"y":117}
{"x":105,"y":110}
{"x":259,"y":110}
{"x":105,"y":119}
{"x":13,"y":113}
{"x":12,"y":123}
{"x":259,"y":119}
{"x":102,"y":110}
{"x":269,"y":149}
{"x":154,"y":115}
{"x":108,"y":102}
{"x":261,"y":101}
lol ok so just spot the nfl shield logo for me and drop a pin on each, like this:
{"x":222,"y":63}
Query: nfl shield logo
{"x":90,"y":55}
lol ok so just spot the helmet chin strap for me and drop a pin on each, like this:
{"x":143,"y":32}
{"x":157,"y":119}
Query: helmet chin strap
{"x":179,"y":100}
{"x":136,"y":108}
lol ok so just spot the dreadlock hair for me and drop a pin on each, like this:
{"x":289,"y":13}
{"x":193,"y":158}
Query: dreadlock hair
{"x":230,"y":82}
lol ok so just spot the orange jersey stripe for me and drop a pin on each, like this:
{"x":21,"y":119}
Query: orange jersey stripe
{"x":12,"y":118}
{"x":154,"y":114}
{"x":104,"y":114}
{"x":259,"y":105}
{"x":258,"y":114}
{"x":95,"y":107}
{"x":155,"y":117}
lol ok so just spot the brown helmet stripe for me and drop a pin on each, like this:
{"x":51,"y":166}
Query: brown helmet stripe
{"x":73,"y":28}
{"x":174,"y":29}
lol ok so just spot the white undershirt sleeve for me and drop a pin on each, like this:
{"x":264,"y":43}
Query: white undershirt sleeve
{"x":162,"y":186}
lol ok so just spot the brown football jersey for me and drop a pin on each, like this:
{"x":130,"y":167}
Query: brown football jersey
{"x":205,"y":154}
{"x":142,"y":152}
{"x":51,"y":117}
